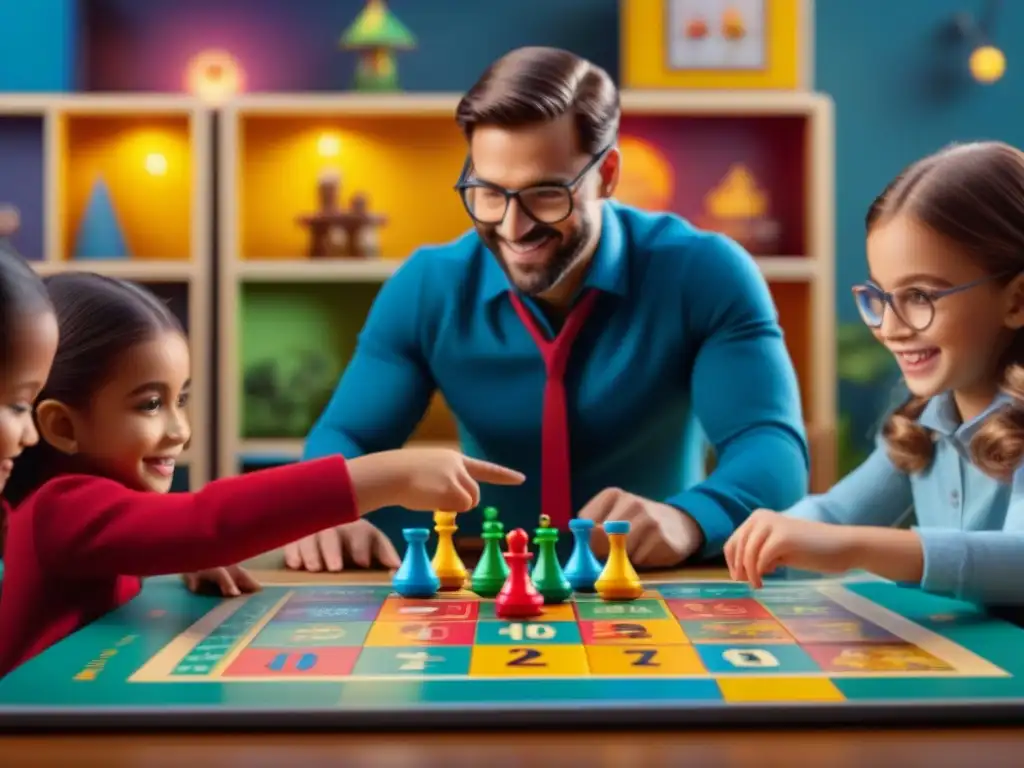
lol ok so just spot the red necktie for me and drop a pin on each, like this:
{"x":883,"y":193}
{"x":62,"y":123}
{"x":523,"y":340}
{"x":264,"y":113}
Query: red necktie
{"x":556,"y":473}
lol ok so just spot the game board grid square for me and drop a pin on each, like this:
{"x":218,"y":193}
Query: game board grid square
{"x":593,"y":597}
{"x":288,"y":634}
{"x":558,"y":612}
{"x":355,"y":593}
{"x":783,"y":658}
{"x":821,"y":609}
{"x":735,"y":631}
{"x":838,"y":630}
{"x":639,"y":609}
{"x":413,"y":661}
{"x":659,"y":632}
{"x":718,"y":608}
{"x":433,"y":609}
{"x":876,"y":658}
{"x":528,"y":660}
{"x":292,"y":662}
{"x":527,"y":633}
{"x":778,"y":690}
{"x":703,"y":590}
{"x":309,"y":612}
{"x":420,"y":633}
{"x":644,"y":660}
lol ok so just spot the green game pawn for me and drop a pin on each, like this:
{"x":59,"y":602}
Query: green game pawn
{"x":491,"y":571}
{"x":548,"y":576}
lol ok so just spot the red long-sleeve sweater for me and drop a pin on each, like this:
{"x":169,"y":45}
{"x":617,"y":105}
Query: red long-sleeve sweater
{"x":78,"y":547}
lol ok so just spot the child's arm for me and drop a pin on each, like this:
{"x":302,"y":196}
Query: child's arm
{"x":980,"y":566}
{"x":94,"y":526}
{"x":875,"y":493}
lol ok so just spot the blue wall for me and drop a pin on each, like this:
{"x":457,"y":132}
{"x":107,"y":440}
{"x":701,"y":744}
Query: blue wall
{"x":40,"y":49}
{"x":902,"y":90}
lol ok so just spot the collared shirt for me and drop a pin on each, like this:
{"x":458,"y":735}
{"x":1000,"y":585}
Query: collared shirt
{"x":684,"y":328}
{"x":971,"y":525}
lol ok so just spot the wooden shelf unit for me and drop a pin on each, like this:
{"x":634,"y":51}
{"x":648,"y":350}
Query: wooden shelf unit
{"x":248,"y":263}
{"x":85,"y":137}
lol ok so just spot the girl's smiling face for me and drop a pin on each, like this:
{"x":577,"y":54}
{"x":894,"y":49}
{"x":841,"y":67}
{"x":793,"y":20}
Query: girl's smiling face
{"x":135,"y":426}
{"x":961,"y":348}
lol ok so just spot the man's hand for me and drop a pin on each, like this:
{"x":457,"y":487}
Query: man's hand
{"x":361,"y":541}
{"x":231,"y":581}
{"x":660,"y":536}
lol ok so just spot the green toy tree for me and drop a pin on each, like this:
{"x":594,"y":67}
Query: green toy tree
{"x":377,"y":34}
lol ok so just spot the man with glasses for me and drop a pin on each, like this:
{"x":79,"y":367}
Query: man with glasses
{"x":574,"y":338}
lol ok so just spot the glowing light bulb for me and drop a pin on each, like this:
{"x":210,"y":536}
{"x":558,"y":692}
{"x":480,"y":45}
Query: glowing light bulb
{"x":987,"y":64}
{"x":328,"y":145}
{"x":214,"y":76}
{"x":156,"y":164}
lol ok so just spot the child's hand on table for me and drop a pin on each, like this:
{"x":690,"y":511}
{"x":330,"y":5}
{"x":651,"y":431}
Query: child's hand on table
{"x":360,"y":543}
{"x":230,"y":581}
{"x":769,"y":540}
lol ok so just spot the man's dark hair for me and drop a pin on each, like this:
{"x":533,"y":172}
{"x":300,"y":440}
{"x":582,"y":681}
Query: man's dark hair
{"x":535,"y":84}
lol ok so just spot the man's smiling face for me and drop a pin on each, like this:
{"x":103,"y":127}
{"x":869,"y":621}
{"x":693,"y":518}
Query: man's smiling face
{"x":536,"y":256}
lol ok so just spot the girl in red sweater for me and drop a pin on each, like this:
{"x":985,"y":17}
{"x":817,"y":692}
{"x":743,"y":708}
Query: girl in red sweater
{"x":92,"y":514}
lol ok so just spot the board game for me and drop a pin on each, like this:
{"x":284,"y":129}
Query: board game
{"x":685,"y":653}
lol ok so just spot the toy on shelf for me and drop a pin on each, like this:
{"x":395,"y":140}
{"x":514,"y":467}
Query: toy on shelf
{"x":337,"y":232}
{"x":376,"y":34}
{"x":100,"y":235}
{"x":739,"y":209}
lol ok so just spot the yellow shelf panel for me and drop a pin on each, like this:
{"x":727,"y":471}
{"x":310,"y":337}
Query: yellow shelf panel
{"x":784,"y":62}
{"x":392,"y":161}
{"x":145,"y":161}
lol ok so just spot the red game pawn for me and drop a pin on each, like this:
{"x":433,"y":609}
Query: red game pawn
{"x":519,"y":598}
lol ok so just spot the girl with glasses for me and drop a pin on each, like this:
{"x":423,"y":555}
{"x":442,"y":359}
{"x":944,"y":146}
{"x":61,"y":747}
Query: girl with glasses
{"x":945,"y":294}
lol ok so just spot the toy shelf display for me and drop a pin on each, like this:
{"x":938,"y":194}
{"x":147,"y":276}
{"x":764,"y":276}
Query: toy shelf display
{"x":324,"y":196}
{"x":120,"y":185}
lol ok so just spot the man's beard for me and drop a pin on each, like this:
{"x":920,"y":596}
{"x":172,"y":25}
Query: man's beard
{"x":535,"y":280}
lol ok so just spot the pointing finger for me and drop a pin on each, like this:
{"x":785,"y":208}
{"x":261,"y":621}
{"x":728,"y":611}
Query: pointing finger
{"x":488,"y":472}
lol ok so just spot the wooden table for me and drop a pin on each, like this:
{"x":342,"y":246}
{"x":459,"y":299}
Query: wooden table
{"x":840,"y":748}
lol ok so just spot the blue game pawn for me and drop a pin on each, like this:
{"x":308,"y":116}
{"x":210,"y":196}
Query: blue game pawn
{"x":583,"y":569}
{"x":416,"y":576}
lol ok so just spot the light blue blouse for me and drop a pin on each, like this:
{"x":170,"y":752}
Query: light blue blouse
{"x":971,"y":526}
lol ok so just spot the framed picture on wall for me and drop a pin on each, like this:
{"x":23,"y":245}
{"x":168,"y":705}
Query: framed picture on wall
{"x":716,"y":35}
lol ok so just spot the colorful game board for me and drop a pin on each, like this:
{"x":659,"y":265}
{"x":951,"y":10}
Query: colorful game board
{"x":687,"y":652}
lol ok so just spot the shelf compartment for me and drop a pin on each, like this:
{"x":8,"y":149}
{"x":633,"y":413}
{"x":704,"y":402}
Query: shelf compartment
{"x":742,"y":175}
{"x":294,"y":342}
{"x":22,"y":158}
{"x":135,"y":169}
{"x":391,"y":161}
{"x":296,"y":339}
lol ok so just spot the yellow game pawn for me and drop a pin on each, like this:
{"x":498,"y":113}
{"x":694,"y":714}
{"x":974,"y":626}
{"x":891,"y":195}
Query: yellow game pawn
{"x":618,"y":579}
{"x":447,"y":563}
